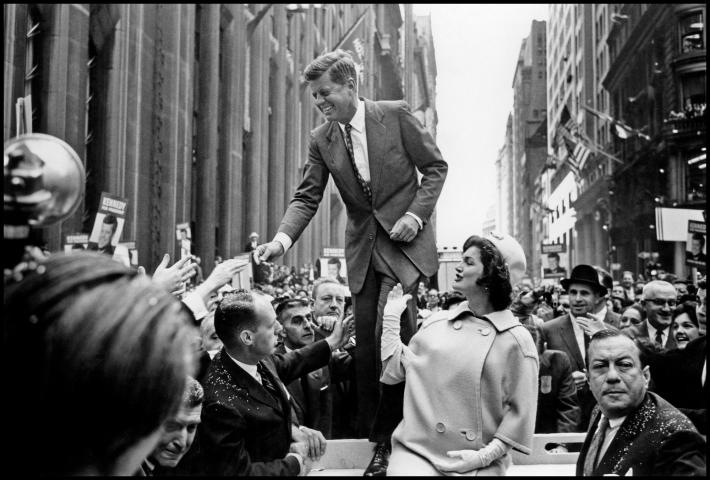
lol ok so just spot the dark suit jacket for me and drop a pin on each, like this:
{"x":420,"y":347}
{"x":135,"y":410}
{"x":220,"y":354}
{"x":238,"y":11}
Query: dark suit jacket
{"x":676,"y":376}
{"x":642,"y":329}
{"x":655,"y":439}
{"x":557,"y":405}
{"x":245,"y":430}
{"x":559,"y":335}
{"x":397,"y":146}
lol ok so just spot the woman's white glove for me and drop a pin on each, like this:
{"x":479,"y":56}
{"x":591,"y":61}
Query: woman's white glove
{"x":396,"y":304}
{"x":474,"y":459}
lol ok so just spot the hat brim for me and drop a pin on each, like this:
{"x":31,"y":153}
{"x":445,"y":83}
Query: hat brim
{"x":597,"y":287}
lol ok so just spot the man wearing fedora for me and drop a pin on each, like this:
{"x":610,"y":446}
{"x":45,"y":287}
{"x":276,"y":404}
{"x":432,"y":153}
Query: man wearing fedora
{"x":571,"y":332}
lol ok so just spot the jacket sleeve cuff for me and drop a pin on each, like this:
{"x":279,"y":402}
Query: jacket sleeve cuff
{"x":416,"y":217}
{"x":301,"y":465}
{"x":197,"y":306}
{"x":284,"y":240}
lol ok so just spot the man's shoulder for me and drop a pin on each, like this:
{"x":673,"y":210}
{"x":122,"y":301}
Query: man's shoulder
{"x":560,"y":321}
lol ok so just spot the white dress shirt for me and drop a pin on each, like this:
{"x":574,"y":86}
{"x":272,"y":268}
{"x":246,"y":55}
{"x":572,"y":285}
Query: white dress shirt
{"x":611,"y":432}
{"x":652,"y":332}
{"x":358,"y":135}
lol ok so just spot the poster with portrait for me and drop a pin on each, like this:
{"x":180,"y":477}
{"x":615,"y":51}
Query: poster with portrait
{"x":184,"y":237}
{"x":108,"y":224}
{"x":244,"y":279}
{"x":695,"y":248}
{"x":554,"y":260}
{"x":76,"y":242}
{"x":332,"y":265}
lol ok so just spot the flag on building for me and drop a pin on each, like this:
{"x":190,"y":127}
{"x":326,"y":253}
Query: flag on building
{"x":568,"y":137}
{"x":621,"y":130}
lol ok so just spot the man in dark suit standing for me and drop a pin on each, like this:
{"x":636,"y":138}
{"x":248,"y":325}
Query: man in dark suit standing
{"x":373,"y":150}
{"x":634,"y":432}
{"x":570,"y":333}
{"x":246,"y":427}
{"x":659,"y":300}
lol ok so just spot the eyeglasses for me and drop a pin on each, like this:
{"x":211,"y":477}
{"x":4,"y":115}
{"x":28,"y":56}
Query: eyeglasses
{"x":659,"y":302}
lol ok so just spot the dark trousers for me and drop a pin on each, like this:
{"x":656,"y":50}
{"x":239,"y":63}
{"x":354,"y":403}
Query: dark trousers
{"x":380,"y":406}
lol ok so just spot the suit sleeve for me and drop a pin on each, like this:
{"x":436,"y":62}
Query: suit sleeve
{"x":308,"y":195}
{"x":299,"y":362}
{"x":222,"y":442}
{"x":682,"y":453}
{"x":422,"y":150}
{"x":568,"y":410}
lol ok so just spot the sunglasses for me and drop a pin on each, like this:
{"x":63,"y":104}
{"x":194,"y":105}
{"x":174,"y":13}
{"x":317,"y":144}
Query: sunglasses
{"x":659,"y":302}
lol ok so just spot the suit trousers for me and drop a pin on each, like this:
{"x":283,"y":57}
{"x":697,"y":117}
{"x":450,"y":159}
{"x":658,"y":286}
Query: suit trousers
{"x":388,"y":266}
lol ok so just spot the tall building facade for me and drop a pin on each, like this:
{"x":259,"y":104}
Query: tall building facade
{"x":198,"y":113}
{"x":506,"y":181}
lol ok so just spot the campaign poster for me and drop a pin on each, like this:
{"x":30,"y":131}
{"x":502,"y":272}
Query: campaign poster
{"x":108,"y":224}
{"x":554,"y":260}
{"x":76,"y":242}
{"x":332,"y":265}
{"x":244,"y":279}
{"x":695,"y":248}
{"x":184,"y":236}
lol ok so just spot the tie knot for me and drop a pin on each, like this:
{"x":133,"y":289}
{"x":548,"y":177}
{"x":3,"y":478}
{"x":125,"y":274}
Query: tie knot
{"x":348,"y":127}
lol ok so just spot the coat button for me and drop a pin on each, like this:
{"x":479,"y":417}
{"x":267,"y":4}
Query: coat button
{"x":485,"y":331}
{"x":440,"y":427}
{"x":457,"y":325}
{"x":470,"y":436}
{"x":371,"y":236}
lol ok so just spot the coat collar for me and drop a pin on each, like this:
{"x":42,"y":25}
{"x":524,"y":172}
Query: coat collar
{"x":502,"y":320}
{"x":245,"y":381}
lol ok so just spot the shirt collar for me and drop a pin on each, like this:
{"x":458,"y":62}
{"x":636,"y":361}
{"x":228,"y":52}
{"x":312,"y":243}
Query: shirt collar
{"x":614,"y":422}
{"x":358,"y":120}
{"x":601,"y":314}
{"x":652,"y":330}
{"x":250,"y":369}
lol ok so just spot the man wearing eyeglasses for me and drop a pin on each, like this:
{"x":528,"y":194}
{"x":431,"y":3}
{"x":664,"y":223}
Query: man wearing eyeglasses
{"x":659,"y":300}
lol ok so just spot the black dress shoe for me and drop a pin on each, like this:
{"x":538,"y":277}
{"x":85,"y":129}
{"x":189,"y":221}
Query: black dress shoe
{"x":380,"y":460}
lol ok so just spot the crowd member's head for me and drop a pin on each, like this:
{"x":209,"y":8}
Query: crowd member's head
{"x":328,"y":298}
{"x":108,"y":229}
{"x":632,"y":315}
{"x":100,"y":357}
{"x":685,"y":324}
{"x":296,"y":318}
{"x":526,"y":284}
{"x":627,"y":280}
{"x":432,"y":298}
{"x":563,"y":304}
{"x":179,"y":430}
{"x":553,"y":260}
{"x":584,"y":290}
{"x":333,"y":81}
{"x":485,"y":268}
{"x":334,"y":266}
{"x":638,"y":288}
{"x":697,"y":243}
{"x":210,"y":341}
{"x":245,"y":322}
{"x":617,"y":290}
{"x":681,"y":288}
{"x":659,"y":300}
{"x":617,"y":377}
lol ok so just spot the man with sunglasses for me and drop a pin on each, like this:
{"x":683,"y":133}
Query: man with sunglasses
{"x":659,"y":300}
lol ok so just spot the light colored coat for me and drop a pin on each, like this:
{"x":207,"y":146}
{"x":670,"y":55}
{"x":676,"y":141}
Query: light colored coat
{"x":468,"y":380}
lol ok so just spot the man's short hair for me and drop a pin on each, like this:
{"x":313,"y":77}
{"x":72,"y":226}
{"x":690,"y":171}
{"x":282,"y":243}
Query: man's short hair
{"x":554,"y":255}
{"x":323,"y":281}
{"x":611,"y":333}
{"x":194,"y":394}
{"x":655,"y":284}
{"x":699,"y":237}
{"x":339,"y":64}
{"x":285,"y":304}
{"x":235,"y":313}
{"x":334,"y":261}
{"x":110,"y":219}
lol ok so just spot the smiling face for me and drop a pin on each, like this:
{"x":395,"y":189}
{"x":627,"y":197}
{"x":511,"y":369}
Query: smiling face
{"x":659,"y":301}
{"x":582,"y":299}
{"x":684,"y":330}
{"x":107,"y":231}
{"x":468,"y":272}
{"x":616,"y":378}
{"x":337,"y":102}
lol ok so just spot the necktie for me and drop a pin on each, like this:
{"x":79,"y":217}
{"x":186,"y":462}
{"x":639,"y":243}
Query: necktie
{"x":349,"y":145}
{"x":659,"y":337}
{"x":266,"y":381}
{"x":590,"y":461}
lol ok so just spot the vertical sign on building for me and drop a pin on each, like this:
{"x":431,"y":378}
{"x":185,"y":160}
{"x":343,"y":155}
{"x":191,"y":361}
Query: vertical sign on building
{"x":695,"y":247}
{"x":554,"y":260}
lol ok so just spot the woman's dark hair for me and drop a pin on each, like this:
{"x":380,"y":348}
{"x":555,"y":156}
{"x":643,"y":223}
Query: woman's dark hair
{"x":496,"y":277}
{"x":98,"y":358}
{"x":689,"y":309}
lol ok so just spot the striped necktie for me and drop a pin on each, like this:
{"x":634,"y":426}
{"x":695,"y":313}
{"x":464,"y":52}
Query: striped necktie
{"x":266,"y":381}
{"x":591,"y":460}
{"x":365,"y":185}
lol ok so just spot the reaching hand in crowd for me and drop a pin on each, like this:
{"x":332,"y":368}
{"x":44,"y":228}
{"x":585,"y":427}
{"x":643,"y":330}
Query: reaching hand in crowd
{"x":173,"y":278}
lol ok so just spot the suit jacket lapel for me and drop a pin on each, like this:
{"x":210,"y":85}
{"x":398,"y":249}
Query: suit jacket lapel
{"x":248,"y":383}
{"x":567,"y":333}
{"x":376,"y":143}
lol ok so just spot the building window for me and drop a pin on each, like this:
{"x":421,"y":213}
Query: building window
{"x":693,"y":86}
{"x":691,"y":32}
{"x":33,"y":70}
{"x":695,"y":176}
{"x":540,"y":74}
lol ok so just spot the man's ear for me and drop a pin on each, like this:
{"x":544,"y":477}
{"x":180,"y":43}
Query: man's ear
{"x":246,"y":337}
{"x":646,"y":375}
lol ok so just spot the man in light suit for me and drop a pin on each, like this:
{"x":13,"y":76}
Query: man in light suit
{"x":659,"y":300}
{"x":634,"y":432}
{"x":570,"y":333}
{"x":373,"y":151}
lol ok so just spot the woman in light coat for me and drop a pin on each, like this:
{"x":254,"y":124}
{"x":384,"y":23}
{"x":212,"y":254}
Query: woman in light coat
{"x":471,"y":372}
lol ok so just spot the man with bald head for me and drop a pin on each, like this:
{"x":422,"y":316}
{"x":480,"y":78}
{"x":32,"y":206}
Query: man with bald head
{"x":659,"y":300}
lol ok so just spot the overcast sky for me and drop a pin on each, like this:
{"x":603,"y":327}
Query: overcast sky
{"x":477,"y":49}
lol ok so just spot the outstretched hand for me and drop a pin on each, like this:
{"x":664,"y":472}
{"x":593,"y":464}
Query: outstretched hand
{"x":396,"y":301}
{"x":173,"y":278}
{"x":267,"y":251}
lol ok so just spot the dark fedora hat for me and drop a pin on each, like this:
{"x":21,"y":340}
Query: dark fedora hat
{"x":585,"y":274}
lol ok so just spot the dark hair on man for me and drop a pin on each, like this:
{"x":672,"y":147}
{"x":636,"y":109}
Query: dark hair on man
{"x":194,"y":394}
{"x":611,"y":333}
{"x":235,"y":313}
{"x":554,"y":255}
{"x":110,"y":220}
{"x":496,"y":276}
{"x":339,"y":64}
{"x":699,"y":237}
{"x":638,"y":308}
{"x":323,"y":281}
{"x":689,"y":309}
{"x":334,"y":261}
{"x":286,"y":304}
{"x":101,"y":356}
